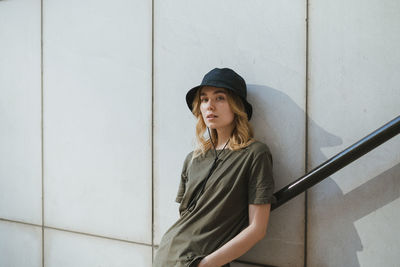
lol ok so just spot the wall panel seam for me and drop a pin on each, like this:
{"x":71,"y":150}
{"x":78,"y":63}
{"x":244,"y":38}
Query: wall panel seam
{"x":74,"y":232}
{"x":41,"y":122}
{"x":152,"y":130}
{"x":306,"y":129}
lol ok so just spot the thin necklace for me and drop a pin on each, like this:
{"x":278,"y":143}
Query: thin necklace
{"x":193,"y":201}
{"x":215,"y":150}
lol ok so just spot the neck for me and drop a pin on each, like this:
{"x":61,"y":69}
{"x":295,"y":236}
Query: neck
{"x":223,"y":136}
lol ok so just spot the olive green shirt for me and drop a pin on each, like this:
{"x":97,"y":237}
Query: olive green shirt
{"x":240,"y":178}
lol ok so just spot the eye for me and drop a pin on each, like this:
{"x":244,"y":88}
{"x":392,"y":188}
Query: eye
{"x":220,"y":97}
{"x":202,"y":100}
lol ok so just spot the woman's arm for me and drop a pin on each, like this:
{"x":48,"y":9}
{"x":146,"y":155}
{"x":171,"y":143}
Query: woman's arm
{"x":246,"y":239}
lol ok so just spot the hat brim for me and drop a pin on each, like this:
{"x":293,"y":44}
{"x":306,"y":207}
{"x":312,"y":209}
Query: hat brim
{"x":190,"y":95}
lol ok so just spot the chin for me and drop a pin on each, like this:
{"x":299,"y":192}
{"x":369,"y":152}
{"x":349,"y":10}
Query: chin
{"x":211,"y":126}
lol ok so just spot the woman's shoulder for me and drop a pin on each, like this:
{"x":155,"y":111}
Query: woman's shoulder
{"x":258,"y":147}
{"x":189,"y":156}
{"x":254,"y":148}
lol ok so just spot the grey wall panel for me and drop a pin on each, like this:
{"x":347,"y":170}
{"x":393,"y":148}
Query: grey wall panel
{"x":97,"y":117}
{"x":20,"y":111}
{"x":20,"y":245}
{"x":354,"y":89}
{"x":64,"y":249}
{"x":264,"y":42}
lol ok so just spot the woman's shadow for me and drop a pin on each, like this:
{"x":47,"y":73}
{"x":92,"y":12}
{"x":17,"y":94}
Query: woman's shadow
{"x":280,"y":122}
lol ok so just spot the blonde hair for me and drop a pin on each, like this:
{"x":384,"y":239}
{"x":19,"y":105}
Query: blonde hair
{"x":242,"y":134}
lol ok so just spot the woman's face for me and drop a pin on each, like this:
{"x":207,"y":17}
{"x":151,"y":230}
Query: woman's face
{"x":214,"y":107}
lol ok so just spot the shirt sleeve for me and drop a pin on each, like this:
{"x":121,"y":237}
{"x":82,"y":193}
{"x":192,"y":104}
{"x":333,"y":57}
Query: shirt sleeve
{"x":261,"y":182}
{"x":183,"y":180}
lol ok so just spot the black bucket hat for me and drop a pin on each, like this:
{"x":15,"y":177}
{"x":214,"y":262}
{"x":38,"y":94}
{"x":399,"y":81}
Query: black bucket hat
{"x":223,"y":78}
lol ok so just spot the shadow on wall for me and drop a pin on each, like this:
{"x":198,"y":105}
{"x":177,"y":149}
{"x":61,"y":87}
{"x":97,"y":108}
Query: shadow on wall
{"x":331,"y":214}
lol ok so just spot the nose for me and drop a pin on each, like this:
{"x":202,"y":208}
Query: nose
{"x":210,"y":105}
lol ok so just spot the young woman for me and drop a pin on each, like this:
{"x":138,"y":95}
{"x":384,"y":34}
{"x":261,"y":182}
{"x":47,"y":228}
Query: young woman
{"x":226,"y":185}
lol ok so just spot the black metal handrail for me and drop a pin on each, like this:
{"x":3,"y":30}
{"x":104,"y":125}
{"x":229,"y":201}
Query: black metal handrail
{"x":337,"y":162}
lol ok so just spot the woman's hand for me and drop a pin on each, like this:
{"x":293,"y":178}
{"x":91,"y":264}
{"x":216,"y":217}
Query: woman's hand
{"x":204,"y":263}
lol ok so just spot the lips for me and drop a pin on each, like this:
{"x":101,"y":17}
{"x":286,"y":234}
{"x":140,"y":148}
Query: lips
{"x":211,"y":116}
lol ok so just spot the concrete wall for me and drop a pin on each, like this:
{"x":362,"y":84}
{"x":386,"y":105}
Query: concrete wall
{"x":354,"y":89}
{"x":225,"y":36}
{"x":95,"y":126}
